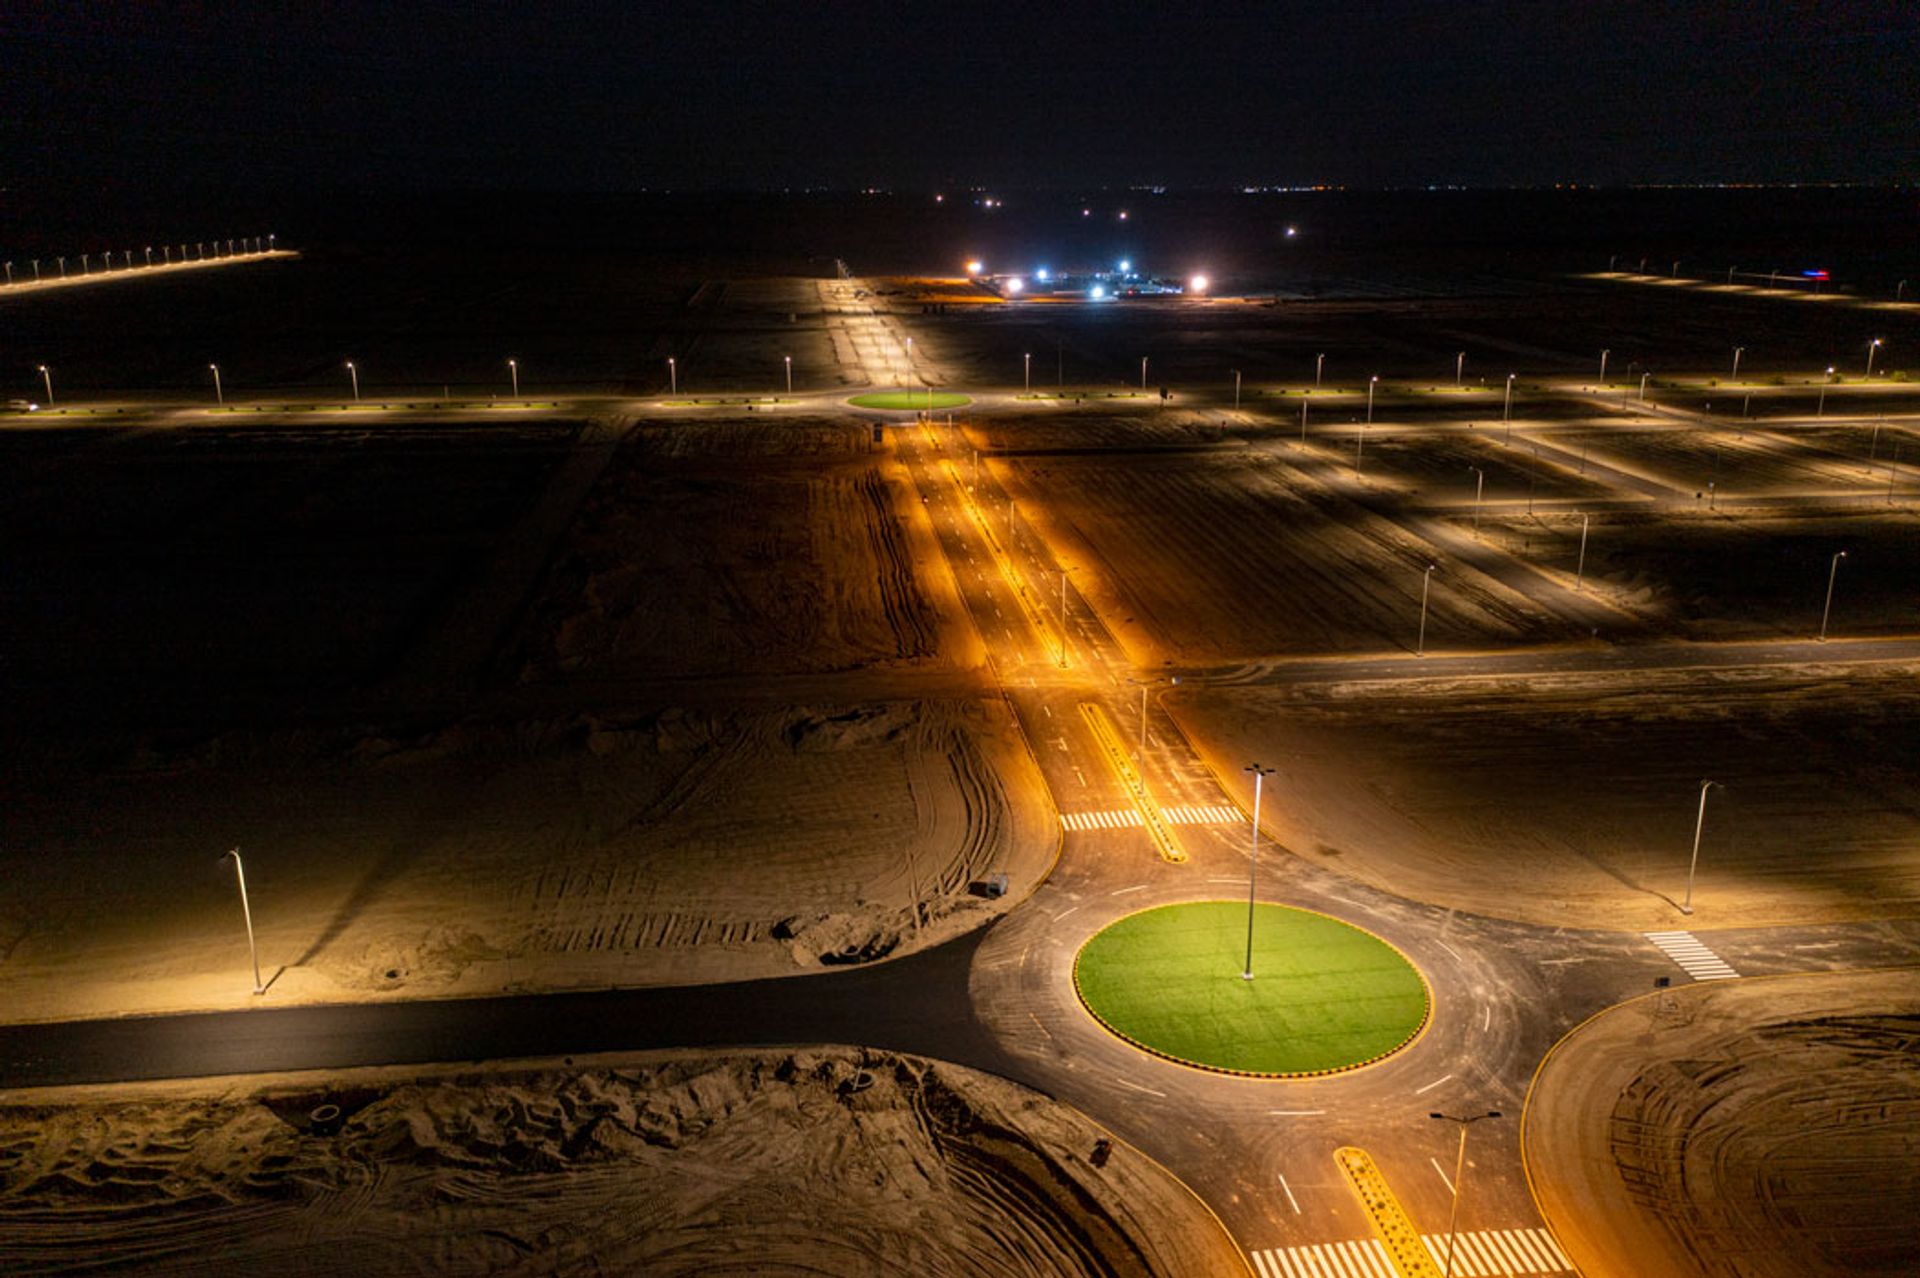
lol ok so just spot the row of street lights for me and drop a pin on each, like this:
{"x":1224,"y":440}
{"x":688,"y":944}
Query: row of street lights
{"x":250,"y":245}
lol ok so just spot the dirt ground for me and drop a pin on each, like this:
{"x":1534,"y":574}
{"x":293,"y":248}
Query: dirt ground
{"x":825,"y":1161}
{"x":1737,"y":1129}
{"x":1570,"y":800}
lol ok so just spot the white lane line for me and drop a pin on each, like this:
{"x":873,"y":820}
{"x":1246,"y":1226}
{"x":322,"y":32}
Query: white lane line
{"x":1227,"y":879}
{"x":1047,"y":711}
{"x":1037,"y":1025}
{"x":1083,"y":777}
{"x":1437,"y":1169}
{"x":1288,"y":1190}
{"x":1295,"y":1113}
{"x":1449,"y":949}
{"x":1136,"y":1087}
{"x":1486,"y":1018}
{"x":1062,"y":914}
{"x":1418,"y":1091}
{"x":1138,"y":887}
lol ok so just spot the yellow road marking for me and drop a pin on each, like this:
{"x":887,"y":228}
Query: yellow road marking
{"x":1389,"y":1219}
{"x":1122,"y":764}
{"x":1036,"y":615}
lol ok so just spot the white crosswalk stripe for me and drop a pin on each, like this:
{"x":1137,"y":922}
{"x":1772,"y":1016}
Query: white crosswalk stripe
{"x":1099,"y":820}
{"x":1484,"y":1253}
{"x":1695,"y":959}
{"x":1127,"y":819}
{"x":1206,"y":815}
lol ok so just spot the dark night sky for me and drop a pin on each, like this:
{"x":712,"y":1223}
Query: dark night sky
{"x":911,"y":95}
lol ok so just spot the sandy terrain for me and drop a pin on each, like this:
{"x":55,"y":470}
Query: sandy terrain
{"x":1449,"y":790}
{"x":827,"y":1161}
{"x":1740,"y":1129}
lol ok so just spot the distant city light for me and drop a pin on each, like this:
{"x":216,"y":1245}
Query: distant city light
{"x":1015,"y":284}
{"x":1099,"y":291}
{"x":1042,"y":275}
{"x":973,"y":267}
{"x":941,"y":199}
{"x":1086,"y":212}
{"x":1123,"y":215}
{"x":1198,"y":284}
{"x":1126,"y":264}
{"x":1292,"y":231}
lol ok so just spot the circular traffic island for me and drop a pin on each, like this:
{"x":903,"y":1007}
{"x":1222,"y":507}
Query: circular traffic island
{"x":909,"y":401}
{"x":1325,"y":995}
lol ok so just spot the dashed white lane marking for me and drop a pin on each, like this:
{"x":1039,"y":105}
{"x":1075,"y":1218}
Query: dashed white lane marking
{"x":1449,"y":949}
{"x":1291,"y":1200}
{"x":1138,"y":887}
{"x":1438,"y":1170}
{"x":1120,"y":820}
{"x":1296,"y":1113}
{"x":1037,"y":1025}
{"x":1419,"y":1091}
{"x":1484,"y":1253}
{"x":1695,"y":959}
{"x":1136,"y":1087}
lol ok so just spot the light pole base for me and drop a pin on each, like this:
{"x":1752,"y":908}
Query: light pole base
{"x":1246,"y":976}
{"x":1686,"y":909}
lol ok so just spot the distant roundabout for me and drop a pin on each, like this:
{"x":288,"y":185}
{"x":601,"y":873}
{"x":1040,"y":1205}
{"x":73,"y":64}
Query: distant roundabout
{"x":908,"y":401}
{"x":1325,"y":996}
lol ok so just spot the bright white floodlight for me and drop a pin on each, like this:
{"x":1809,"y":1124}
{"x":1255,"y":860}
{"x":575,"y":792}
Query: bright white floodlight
{"x":1198,"y":284}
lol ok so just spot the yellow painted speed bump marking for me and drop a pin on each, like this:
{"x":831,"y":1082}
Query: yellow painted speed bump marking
{"x":1389,"y":1219}
{"x":1117,"y":758}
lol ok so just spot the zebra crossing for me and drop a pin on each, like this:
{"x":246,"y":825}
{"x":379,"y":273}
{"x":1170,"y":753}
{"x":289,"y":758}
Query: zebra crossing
{"x":1482,"y":1253}
{"x":1129,"y":818}
{"x":1695,"y":959}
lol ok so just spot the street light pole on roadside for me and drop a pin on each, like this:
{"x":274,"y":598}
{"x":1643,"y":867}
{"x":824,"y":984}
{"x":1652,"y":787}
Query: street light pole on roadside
{"x":47,"y":378}
{"x":788,"y":361}
{"x":1832,"y":573}
{"x":1459,"y":1173}
{"x":1580,"y":573}
{"x":354,"y":373}
{"x":1260,"y":774}
{"x":1319,"y":363}
{"x":1737,"y":351}
{"x":1143,"y":372}
{"x":1699,"y":822}
{"x":673,"y":375}
{"x":246,"y":911}
{"x":1603,"y":368}
{"x":1643,"y":384}
{"x":1371,"y":383}
{"x":1506,"y":409}
{"x":1426,"y":582}
{"x":1026,"y":361}
{"x":1872,"y":346}
{"x":513,"y":371}
{"x":1820,"y":410}
{"x":1459,"y":368}
{"x":219,"y":396}
{"x":1479,"y":486}
{"x":1236,"y":390}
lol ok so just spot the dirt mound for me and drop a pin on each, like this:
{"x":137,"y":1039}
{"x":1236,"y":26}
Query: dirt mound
{"x":829,"y":1161}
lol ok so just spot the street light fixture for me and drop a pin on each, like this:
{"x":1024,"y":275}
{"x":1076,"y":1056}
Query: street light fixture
{"x":1832,"y":572}
{"x":219,"y":396}
{"x":513,"y":371}
{"x":1643,"y":384}
{"x":788,"y":361}
{"x":246,"y":911}
{"x":1426,"y":582}
{"x":1319,"y":364}
{"x":1371,"y":383}
{"x":1820,"y":410}
{"x":354,"y":373}
{"x":1872,"y":346}
{"x":673,"y":376}
{"x":1479,"y":486}
{"x":1459,"y":1173}
{"x":1260,"y":774}
{"x":1236,"y":389}
{"x":1459,"y":368}
{"x":47,"y":378}
{"x":1506,"y":409}
{"x":1026,"y":362}
{"x":1143,"y":372}
{"x":1699,"y":821}
{"x":1603,"y":368}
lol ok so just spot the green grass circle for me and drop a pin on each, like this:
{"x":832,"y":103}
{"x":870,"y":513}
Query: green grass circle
{"x":906,"y":401}
{"x":1325,"y":995}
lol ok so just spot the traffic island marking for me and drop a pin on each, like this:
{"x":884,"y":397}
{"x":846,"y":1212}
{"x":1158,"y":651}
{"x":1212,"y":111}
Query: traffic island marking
{"x":1389,"y":1219}
{"x":1136,"y":786}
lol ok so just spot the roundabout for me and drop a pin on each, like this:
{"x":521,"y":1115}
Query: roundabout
{"x":907,"y":401}
{"x":1325,"y":996}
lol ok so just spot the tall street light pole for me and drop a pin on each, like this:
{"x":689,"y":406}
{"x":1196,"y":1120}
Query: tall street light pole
{"x":1371,"y":383}
{"x":1319,"y":364}
{"x":246,"y":911}
{"x":1236,"y":389}
{"x":673,"y":374}
{"x":47,"y":378}
{"x":1820,"y":410}
{"x":219,"y":396}
{"x":1872,"y":346}
{"x":1506,"y":409}
{"x":1143,"y":372}
{"x":1603,"y":368}
{"x":1699,"y":822}
{"x":354,"y":373}
{"x":1026,"y":361}
{"x":1426,"y":582}
{"x":1459,"y":368}
{"x":513,"y":371}
{"x":788,"y":361}
{"x":1643,"y":384}
{"x":1580,"y":573}
{"x":1479,"y":486}
{"x":1459,"y":1172}
{"x":1737,"y":351}
{"x":1260,"y":774}
{"x":1825,"y":612}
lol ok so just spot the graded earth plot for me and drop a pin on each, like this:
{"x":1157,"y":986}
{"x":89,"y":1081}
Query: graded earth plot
{"x":644,"y":848}
{"x":771,"y":546}
{"x":170,"y":564}
{"x":1570,"y":800}
{"x":1428,"y":467}
{"x":1735,"y":461}
{"x":1736,"y":573}
{"x":1211,"y":558}
{"x":831,"y":1160}
{"x":1094,"y":425}
{"x":1760,"y":1128}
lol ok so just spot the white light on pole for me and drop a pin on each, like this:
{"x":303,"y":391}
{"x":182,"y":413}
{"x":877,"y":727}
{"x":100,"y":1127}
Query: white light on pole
{"x":1737,"y":352}
{"x":1319,"y":364}
{"x":673,"y":376}
{"x":513,"y":372}
{"x":1426,"y":582}
{"x":1820,"y":410}
{"x":1643,"y":384}
{"x":1143,"y":372}
{"x":788,"y":361}
{"x":246,"y":910}
{"x":1026,"y":362}
{"x":47,"y":378}
{"x":1699,"y":823}
{"x":1872,"y":346}
{"x":1603,"y":368}
{"x":219,"y":396}
{"x":1459,"y":1174}
{"x":1479,"y":487}
{"x":1833,"y":572}
{"x":354,"y":373}
{"x":1260,"y":774}
{"x":1372,"y":382}
{"x":1506,"y":409}
{"x":1459,"y":368}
